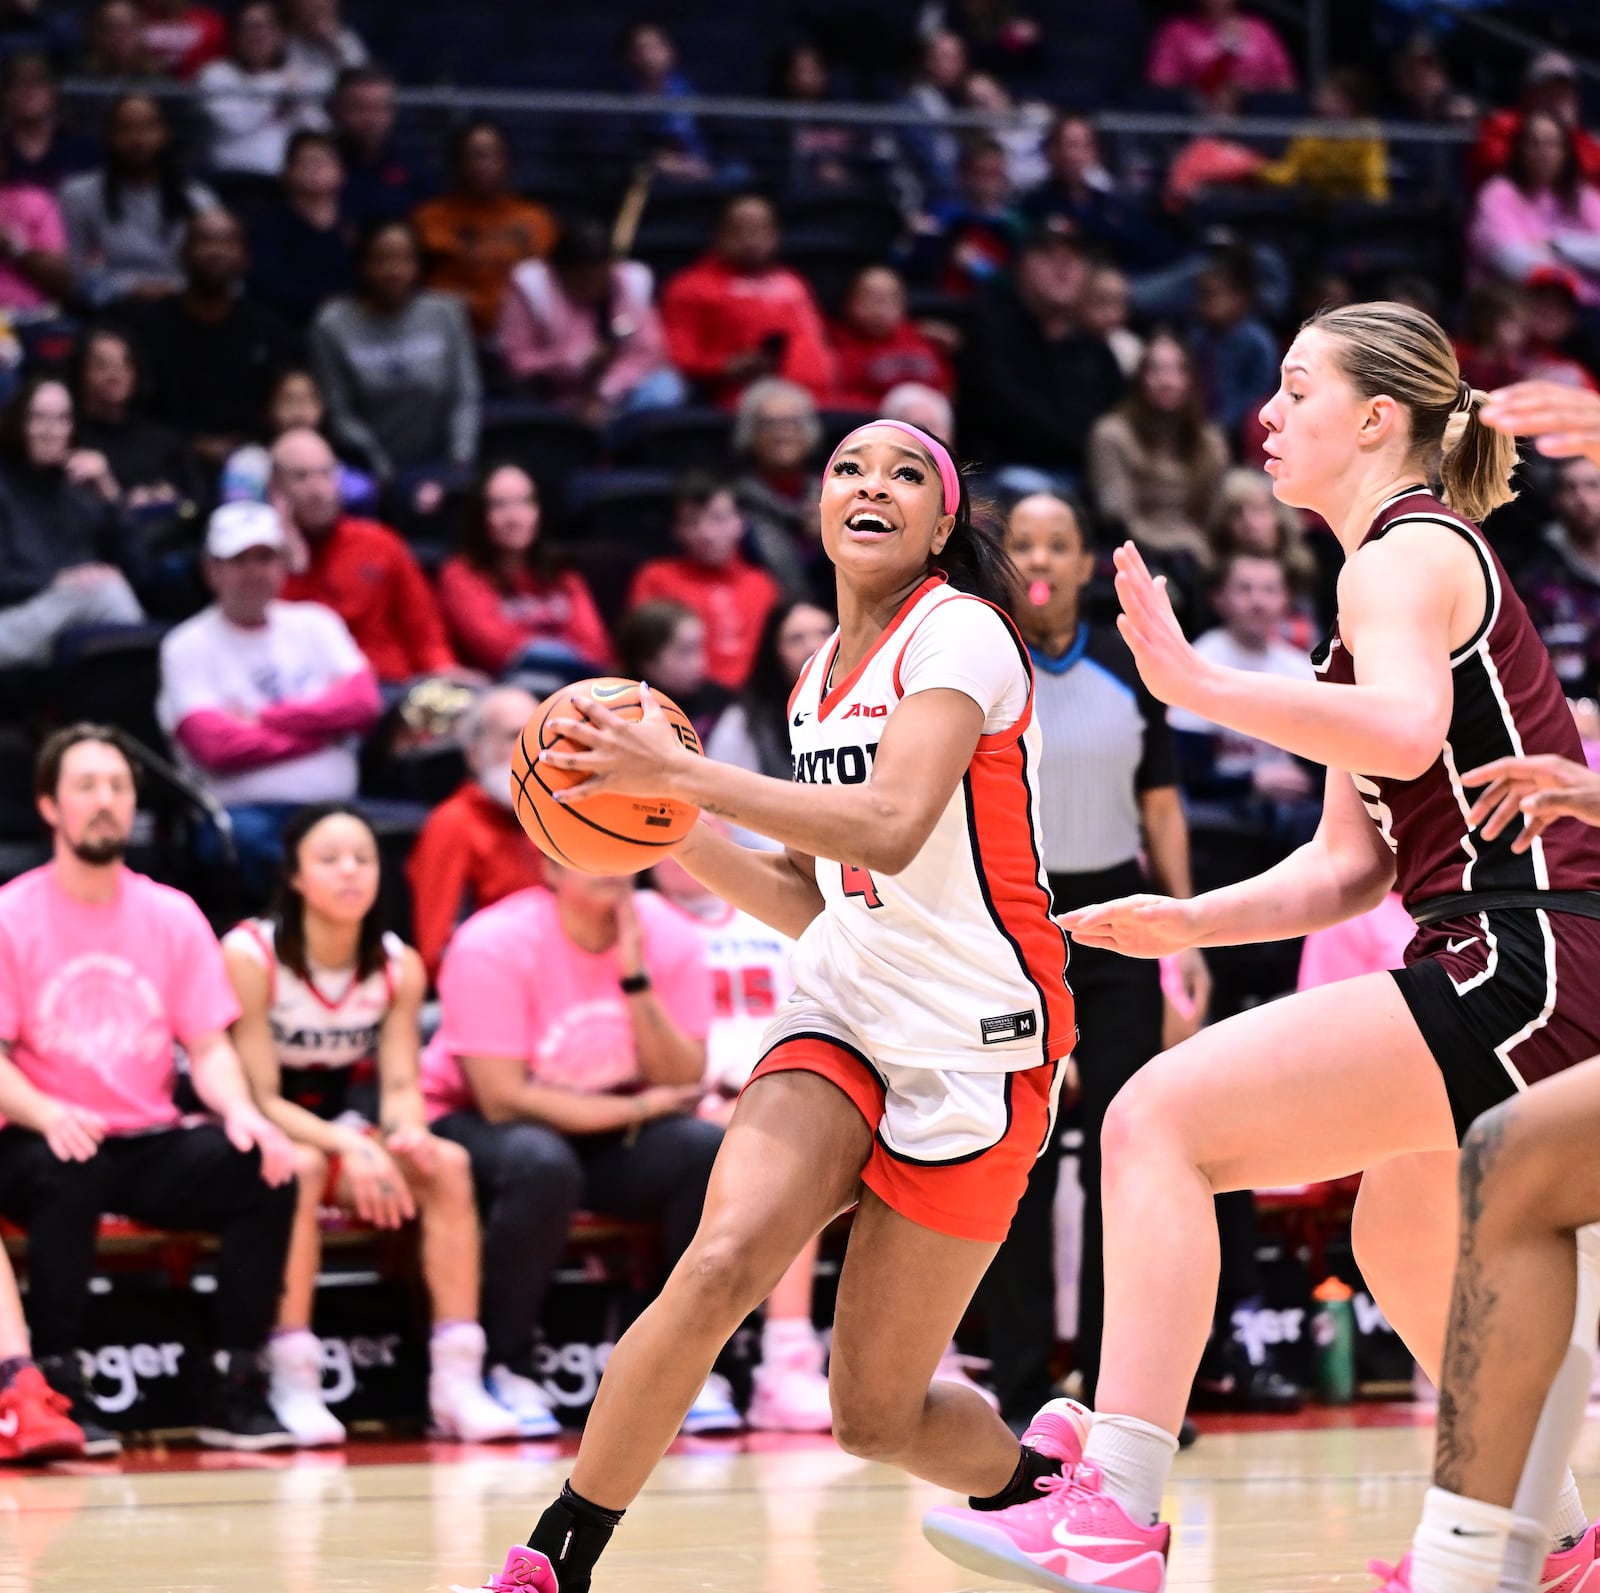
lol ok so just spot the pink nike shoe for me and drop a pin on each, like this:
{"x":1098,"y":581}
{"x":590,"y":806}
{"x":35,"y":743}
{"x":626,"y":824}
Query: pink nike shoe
{"x":1076,"y":1538}
{"x":1060,"y":1431}
{"x":1574,"y":1570}
{"x":525,"y":1571}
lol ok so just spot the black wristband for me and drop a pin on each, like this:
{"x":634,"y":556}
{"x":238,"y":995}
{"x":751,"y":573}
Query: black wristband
{"x":634,"y":984}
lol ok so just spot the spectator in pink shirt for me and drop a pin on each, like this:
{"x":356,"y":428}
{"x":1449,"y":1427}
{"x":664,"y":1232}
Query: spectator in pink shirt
{"x":102,"y":973}
{"x":266,"y":700}
{"x":1540,"y":213}
{"x":1218,"y":52}
{"x":1375,"y":942}
{"x":568,"y":1062}
{"x":507,"y":601}
{"x":583,"y":329}
{"x":34,"y":273}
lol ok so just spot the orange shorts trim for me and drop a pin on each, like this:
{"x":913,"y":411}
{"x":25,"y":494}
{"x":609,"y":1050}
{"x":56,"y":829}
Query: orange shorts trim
{"x":973,"y":1196}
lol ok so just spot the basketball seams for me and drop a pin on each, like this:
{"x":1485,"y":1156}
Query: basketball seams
{"x":536,"y":776}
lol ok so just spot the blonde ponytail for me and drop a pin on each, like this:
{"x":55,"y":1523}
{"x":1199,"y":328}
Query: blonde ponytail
{"x":1477,"y":462}
{"x":1393,"y":350}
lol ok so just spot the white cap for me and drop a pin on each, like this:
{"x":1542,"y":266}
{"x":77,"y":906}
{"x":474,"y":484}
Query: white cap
{"x":235,"y":528}
{"x":1550,"y":64}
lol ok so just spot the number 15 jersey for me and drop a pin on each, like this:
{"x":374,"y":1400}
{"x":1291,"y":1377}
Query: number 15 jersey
{"x":955,"y":962}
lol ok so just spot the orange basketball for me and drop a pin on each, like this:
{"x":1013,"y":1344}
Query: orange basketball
{"x":608,"y":834}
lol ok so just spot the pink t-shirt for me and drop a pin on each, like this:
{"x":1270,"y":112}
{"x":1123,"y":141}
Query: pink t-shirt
{"x":1243,"y":53}
{"x":93,"y":995}
{"x":33,"y":218}
{"x":1372,"y":943}
{"x":514,"y":985}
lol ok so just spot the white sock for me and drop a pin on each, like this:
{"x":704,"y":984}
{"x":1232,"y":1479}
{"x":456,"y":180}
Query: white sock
{"x":787,"y":1340}
{"x":1133,"y":1458}
{"x":1571,"y":1521}
{"x":1459,"y":1546}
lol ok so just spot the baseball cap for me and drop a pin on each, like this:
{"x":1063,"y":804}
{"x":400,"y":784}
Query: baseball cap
{"x":237,"y":527}
{"x":1548,"y":64}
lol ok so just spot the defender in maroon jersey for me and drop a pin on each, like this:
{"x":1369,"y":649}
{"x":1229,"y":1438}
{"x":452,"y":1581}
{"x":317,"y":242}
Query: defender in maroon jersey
{"x":1494,"y":952}
{"x":1432,"y":671}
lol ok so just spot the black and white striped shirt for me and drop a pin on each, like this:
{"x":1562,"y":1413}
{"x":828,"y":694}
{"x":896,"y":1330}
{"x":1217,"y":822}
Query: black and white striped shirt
{"x":1105,"y":742}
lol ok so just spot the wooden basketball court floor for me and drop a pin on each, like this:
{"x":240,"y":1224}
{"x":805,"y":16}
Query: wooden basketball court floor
{"x":1255,"y":1510}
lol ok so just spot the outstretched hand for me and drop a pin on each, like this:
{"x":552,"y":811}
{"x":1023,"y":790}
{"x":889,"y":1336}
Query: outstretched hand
{"x":1563,"y":421}
{"x":1538,"y":789}
{"x":1135,"y":926}
{"x":625,"y":756}
{"x":1168,"y":665}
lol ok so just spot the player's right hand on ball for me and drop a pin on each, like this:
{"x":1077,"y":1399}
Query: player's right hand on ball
{"x":1136,"y":926}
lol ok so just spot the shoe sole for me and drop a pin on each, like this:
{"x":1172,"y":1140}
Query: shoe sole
{"x":60,"y":1449}
{"x":102,"y":1448}
{"x":244,"y":1443}
{"x":984,"y":1549}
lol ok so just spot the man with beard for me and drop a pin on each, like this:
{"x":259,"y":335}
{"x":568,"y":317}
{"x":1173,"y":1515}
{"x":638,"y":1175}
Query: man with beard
{"x":102,"y":973}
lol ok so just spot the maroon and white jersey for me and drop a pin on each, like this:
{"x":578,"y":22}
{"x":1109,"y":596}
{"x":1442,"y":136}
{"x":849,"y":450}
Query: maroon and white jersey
{"x":1507,"y":701}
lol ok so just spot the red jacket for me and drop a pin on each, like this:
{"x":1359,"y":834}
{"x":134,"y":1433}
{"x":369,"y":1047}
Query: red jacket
{"x":733,"y":602}
{"x":469,"y":854}
{"x":868,"y":367}
{"x":491,"y":625}
{"x":712,"y":313}
{"x":368,"y":577}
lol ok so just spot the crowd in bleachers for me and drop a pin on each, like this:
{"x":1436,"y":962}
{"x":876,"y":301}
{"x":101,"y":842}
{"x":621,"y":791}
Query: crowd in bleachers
{"x":333,"y":438}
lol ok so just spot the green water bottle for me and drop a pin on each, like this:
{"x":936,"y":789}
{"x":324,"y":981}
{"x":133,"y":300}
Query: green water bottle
{"x":1333,"y":1339}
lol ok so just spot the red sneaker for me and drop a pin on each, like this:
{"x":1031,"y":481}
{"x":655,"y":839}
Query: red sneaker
{"x":34,"y":1424}
{"x":1075,"y":1538}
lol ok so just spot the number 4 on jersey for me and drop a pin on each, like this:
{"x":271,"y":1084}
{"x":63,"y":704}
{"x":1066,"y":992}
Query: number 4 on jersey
{"x":858,"y":882}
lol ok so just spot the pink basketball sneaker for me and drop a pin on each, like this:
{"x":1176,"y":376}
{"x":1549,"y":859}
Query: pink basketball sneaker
{"x":1391,"y":1578}
{"x":525,"y":1571}
{"x":1075,"y":1538}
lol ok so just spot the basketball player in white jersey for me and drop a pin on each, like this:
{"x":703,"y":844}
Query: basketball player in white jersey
{"x":915,"y":1070}
{"x":326,"y":996}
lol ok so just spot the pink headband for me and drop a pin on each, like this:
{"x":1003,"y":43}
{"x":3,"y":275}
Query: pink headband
{"x":949,"y":479}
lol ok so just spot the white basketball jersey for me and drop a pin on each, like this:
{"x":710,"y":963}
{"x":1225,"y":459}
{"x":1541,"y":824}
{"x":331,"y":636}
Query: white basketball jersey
{"x":750,"y":980}
{"x":331,"y":1021}
{"x":955,"y":962}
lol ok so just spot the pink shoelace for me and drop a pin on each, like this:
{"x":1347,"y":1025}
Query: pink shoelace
{"x":1391,"y":1578}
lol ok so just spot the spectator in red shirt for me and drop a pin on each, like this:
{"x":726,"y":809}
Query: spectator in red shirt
{"x":711,"y":576}
{"x":737,"y":315}
{"x":180,"y":38}
{"x":876,"y":347}
{"x":473,"y":852}
{"x":1550,"y":87}
{"x":360,"y":569}
{"x":506,"y":601}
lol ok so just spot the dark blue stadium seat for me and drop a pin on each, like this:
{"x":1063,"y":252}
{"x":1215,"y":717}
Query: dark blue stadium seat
{"x":549,"y":443}
{"x":673,"y":439}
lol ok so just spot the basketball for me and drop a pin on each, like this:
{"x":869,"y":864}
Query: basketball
{"x":608,"y":834}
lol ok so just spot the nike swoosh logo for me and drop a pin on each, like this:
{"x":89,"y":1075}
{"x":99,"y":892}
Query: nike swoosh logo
{"x":1460,"y":946}
{"x":8,"y":1425}
{"x":799,"y":719}
{"x":1462,"y":1532}
{"x":1069,"y":1539}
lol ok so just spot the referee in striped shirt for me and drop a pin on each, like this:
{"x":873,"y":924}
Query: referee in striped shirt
{"x":1108,"y":792}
